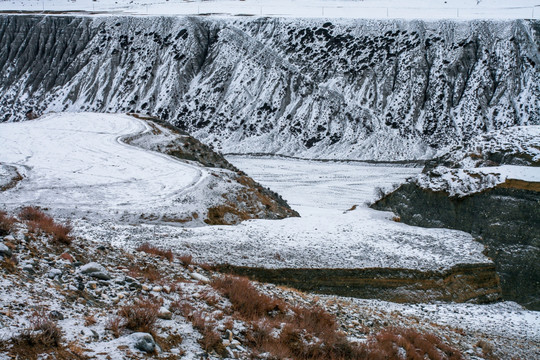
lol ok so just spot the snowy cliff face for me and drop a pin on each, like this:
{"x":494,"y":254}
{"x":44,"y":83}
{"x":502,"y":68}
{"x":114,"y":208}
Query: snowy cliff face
{"x":359,"y":89}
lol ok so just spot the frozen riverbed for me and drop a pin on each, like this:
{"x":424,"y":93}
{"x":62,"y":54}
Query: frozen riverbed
{"x":327,"y":235}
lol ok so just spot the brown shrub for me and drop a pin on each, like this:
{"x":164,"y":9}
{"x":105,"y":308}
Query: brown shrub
{"x":210,"y":340}
{"x":31,"y":213}
{"x":186,"y":260}
{"x":245,"y":299}
{"x":150,"y":249}
{"x":150,"y":273}
{"x":115,"y":324}
{"x":316,"y":321}
{"x":89,"y":320}
{"x":209,"y":297}
{"x":396,"y":343}
{"x":142,"y":314}
{"x":6,"y":223}
{"x":42,"y":332}
{"x":9,"y":264}
{"x":37,"y":220}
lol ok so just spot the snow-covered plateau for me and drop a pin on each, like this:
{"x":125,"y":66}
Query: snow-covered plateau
{"x":372,"y":9}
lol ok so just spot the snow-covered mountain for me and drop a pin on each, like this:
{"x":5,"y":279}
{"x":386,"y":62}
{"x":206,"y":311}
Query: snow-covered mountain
{"x":359,"y":89}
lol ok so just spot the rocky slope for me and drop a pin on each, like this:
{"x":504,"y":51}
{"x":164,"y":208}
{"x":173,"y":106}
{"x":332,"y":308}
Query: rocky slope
{"x":331,"y":89}
{"x":489,"y":187}
{"x":73,"y":299}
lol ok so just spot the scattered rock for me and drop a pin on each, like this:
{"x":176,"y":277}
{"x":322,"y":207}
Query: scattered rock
{"x":229,"y":335}
{"x":54,"y":273}
{"x":95,"y":270}
{"x":56,"y":315}
{"x":164,"y":313}
{"x":200,"y":277}
{"x":9,"y":238}
{"x":143,"y":342}
{"x":5,"y":251}
{"x":29,"y":268}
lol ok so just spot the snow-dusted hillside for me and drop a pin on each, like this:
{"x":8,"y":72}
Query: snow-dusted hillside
{"x":323,"y":88}
{"x":80,"y":165}
{"x":486,"y":161}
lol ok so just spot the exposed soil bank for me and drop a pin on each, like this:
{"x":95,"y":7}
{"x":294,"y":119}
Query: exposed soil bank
{"x":477,"y":283}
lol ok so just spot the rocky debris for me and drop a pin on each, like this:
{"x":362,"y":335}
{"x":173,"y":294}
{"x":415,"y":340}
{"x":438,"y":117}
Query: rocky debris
{"x":95,"y":270}
{"x":5,"y":251}
{"x":143,"y":342}
{"x":200,"y":277}
{"x":89,"y":314}
{"x":164,"y":313}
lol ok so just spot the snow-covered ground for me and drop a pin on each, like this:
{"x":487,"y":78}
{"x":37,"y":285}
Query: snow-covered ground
{"x":78,"y":163}
{"x":373,"y":9}
{"x":325,"y":236}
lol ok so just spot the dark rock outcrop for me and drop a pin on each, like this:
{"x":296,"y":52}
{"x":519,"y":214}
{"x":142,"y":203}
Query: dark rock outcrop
{"x":485,"y":187}
{"x":505,"y":218}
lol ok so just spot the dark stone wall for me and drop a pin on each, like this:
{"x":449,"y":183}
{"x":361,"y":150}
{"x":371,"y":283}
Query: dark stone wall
{"x":505,"y":219}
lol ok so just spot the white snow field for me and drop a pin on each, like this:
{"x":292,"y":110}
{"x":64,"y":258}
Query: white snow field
{"x":77,"y":162}
{"x":325,"y":236}
{"x":371,"y":9}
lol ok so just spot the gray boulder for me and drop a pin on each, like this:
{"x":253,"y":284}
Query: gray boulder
{"x":143,"y":342}
{"x":95,"y":270}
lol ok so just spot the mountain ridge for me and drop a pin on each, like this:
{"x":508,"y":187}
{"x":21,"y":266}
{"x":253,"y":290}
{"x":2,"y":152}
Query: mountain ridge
{"x":343,"y":89}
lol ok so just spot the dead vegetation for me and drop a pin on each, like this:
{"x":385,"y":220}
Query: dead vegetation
{"x":38,"y":221}
{"x":312,"y":333}
{"x":150,"y":249}
{"x":6,"y":223}
{"x":42,"y":336}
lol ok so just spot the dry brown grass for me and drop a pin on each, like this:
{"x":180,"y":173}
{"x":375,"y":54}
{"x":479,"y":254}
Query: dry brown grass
{"x":38,"y":221}
{"x":186,"y":260}
{"x":211,"y":339}
{"x":150,"y":273}
{"x":312,"y":333}
{"x":150,"y":249}
{"x":90,"y":320}
{"x":115,"y":324}
{"x":397,"y":343}
{"x":245,"y":299}
{"x":142,"y":314}
{"x":43,"y":332}
{"x":9,"y":264}
{"x":6,"y":223}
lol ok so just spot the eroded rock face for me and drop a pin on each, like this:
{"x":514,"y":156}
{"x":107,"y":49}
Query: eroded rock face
{"x":476,"y":283}
{"x":503,"y":215}
{"x":355,"y":89}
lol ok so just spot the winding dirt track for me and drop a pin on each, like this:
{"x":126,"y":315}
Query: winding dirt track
{"x":80,"y":160}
